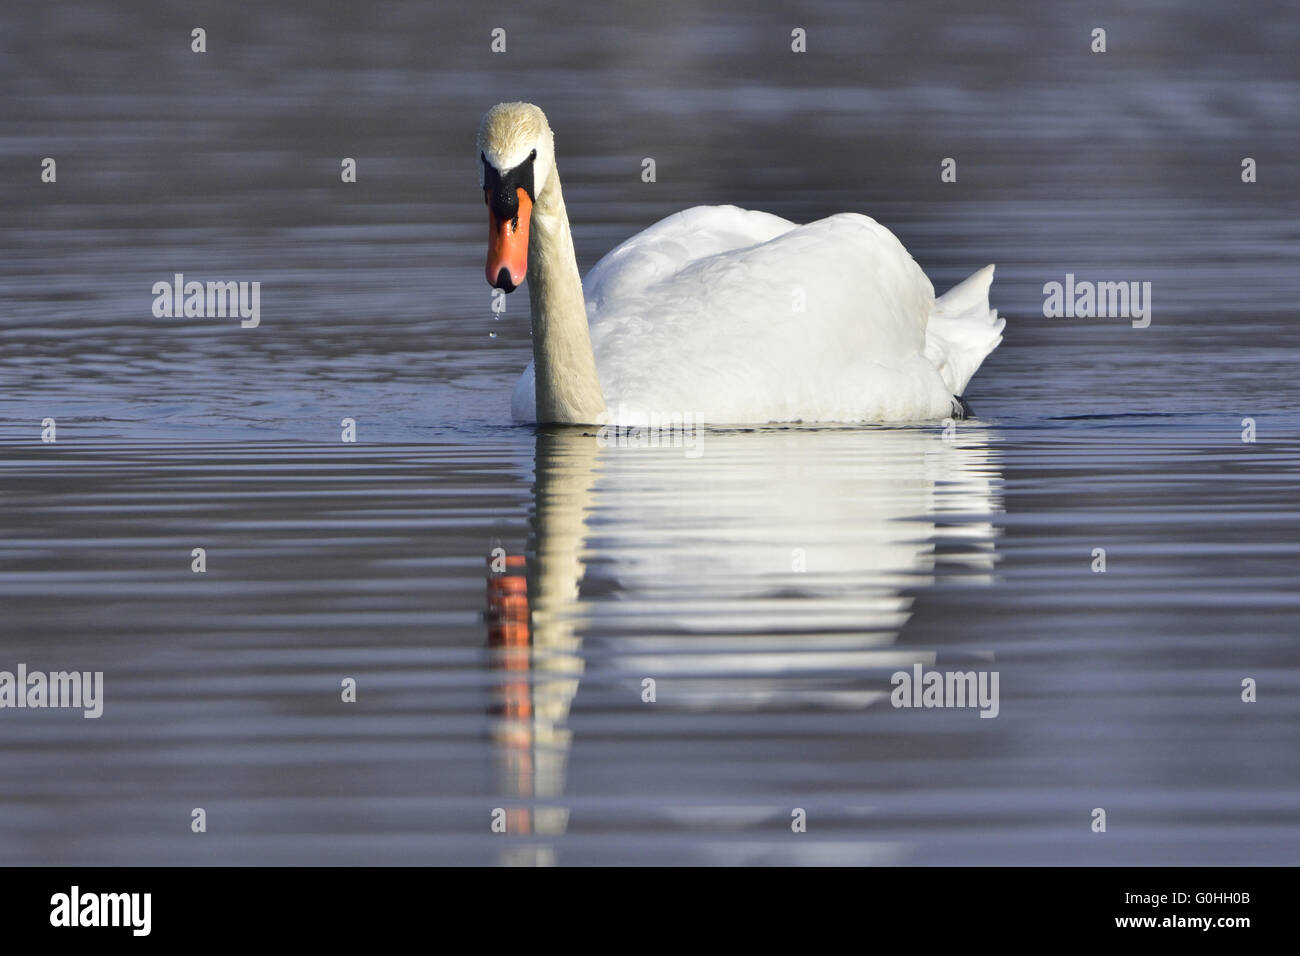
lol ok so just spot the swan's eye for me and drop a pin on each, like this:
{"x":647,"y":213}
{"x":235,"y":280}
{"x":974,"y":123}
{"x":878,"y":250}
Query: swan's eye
{"x":533,"y":154}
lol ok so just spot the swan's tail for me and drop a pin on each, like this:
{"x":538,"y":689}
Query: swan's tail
{"x":963,"y":330}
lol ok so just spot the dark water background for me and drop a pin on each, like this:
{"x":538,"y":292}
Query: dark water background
{"x":329,"y":560}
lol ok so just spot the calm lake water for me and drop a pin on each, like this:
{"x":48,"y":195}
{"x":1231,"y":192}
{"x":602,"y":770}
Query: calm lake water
{"x":769,"y":585}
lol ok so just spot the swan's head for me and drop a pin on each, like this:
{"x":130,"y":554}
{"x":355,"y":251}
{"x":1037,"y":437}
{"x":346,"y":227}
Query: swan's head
{"x":516,"y":156}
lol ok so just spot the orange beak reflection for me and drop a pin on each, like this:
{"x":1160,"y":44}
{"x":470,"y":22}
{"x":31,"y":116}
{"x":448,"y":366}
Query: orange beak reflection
{"x":507,"y":261}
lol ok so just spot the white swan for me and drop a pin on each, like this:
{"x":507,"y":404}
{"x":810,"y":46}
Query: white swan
{"x":718,"y":314}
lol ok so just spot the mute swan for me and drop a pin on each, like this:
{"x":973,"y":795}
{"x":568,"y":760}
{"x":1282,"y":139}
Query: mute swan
{"x":718,"y":314}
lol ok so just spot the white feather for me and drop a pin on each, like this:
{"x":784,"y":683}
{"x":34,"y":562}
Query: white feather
{"x":733,"y":316}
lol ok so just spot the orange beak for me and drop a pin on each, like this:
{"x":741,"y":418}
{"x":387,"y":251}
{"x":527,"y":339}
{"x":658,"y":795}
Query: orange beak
{"x":507,"y":261}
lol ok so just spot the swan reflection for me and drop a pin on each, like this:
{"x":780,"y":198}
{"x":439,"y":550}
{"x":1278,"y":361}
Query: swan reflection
{"x":774,"y":570}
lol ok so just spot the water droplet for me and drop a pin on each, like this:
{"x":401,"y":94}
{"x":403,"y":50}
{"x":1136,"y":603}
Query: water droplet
{"x":492,"y":334}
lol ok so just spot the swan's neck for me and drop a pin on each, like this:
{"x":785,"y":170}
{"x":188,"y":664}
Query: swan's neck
{"x":568,"y":388}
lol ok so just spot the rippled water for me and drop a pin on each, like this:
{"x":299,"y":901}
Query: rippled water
{"x":771,"y":584}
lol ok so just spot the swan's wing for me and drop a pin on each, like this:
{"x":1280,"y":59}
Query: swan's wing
{"x":670,"y":245}
{"x":824,"y":321}
{"x":963,"y":330}
{"x":523,"y":401}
